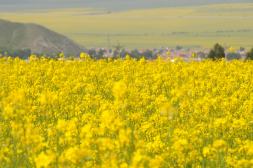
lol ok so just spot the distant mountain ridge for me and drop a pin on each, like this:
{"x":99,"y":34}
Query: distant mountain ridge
{"x":36,"y":38}
{"x":106,"y":4}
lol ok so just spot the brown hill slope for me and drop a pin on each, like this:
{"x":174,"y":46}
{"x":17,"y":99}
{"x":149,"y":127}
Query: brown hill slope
{"x":35,"y":37}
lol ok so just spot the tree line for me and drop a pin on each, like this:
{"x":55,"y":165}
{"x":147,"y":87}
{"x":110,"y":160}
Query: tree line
{"x":216,"y":53}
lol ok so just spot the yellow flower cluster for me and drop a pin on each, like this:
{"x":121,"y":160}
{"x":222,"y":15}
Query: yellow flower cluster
{"x":125,"y":113}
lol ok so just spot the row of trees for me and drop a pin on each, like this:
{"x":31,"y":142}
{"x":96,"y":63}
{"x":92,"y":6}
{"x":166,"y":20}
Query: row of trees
{"x":218,"y":52}
{"x":21,"y":53}
{"x":121,"y":53}
{"x":26,"y":53}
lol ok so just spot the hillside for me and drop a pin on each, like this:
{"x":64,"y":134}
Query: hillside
{"x":35,"y":37}
{"x":114,"y":5}
{"x":229,"y":24}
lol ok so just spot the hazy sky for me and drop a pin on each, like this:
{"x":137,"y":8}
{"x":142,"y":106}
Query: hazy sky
{"x":108,"y":4}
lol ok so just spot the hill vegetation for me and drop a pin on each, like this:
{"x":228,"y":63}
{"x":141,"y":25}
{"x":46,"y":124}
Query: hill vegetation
{"x":195,"y":26}
{"x":113,"y":5}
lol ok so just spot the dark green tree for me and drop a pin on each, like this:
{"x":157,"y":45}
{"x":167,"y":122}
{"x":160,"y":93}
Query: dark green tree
{"x":218,"y":52}
{"x":250,"y":55}
{"x":136,"y":54}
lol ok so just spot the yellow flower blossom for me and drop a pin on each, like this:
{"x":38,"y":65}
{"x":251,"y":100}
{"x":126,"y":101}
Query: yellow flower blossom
{"x":125,"y":113}
{"x":43,"y":160}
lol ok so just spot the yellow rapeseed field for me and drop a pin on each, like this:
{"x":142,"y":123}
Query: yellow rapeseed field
{"x":125,"y":113}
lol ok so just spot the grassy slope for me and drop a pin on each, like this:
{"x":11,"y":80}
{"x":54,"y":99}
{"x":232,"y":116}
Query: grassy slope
{"x":230,"y":24}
